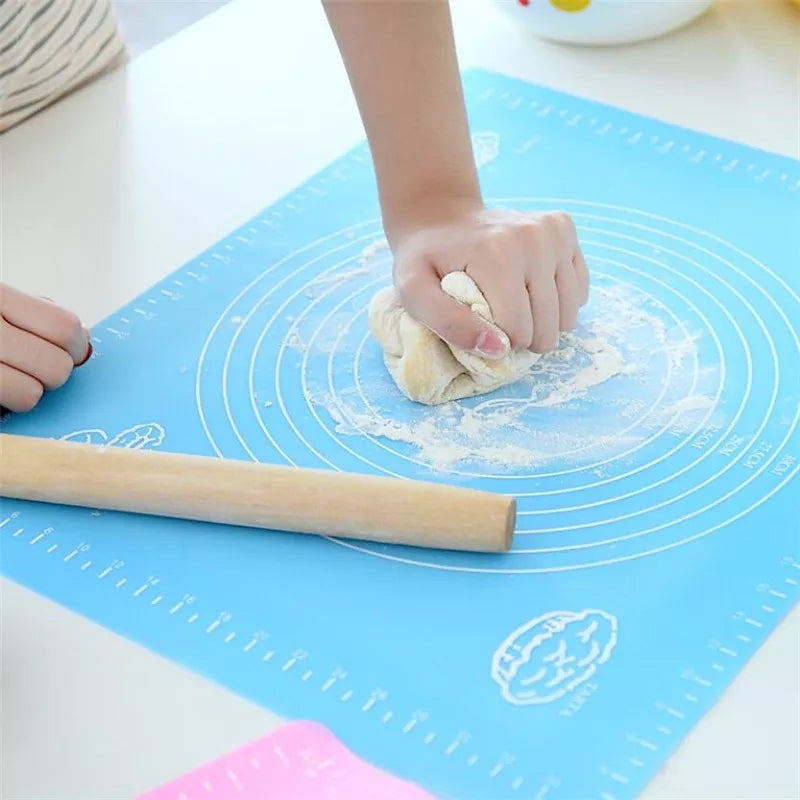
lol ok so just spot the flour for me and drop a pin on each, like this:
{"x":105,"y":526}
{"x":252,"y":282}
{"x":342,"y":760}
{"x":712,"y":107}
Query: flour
{"x":337,"y":277}
{"x":495,"y":430}
{"x":295,"y":341}
{"x":371,"y":250}
{"x":629,"y":372}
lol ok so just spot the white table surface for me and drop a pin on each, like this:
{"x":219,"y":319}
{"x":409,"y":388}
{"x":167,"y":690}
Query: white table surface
{"x":110,"y":190}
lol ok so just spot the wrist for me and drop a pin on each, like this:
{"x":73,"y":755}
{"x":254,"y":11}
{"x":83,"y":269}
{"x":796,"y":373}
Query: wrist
{"x":432,"y":207}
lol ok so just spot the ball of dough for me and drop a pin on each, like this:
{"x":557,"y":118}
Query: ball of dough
{"x":427,"y":369}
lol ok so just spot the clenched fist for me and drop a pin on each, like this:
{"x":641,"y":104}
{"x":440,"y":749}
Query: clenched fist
{"x":40,"y":345}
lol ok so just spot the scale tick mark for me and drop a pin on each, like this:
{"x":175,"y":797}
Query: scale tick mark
{"x":648,"y":745}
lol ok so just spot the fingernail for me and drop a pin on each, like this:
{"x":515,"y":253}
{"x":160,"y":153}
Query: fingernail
{"x":89,"y":351}
{"x":492,"y":344}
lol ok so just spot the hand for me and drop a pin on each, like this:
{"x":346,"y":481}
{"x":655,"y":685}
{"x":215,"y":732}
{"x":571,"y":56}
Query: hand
{"x":40,"y":345}
{"x":529,"y":268}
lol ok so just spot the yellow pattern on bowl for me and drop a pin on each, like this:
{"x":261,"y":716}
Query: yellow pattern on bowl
{"x":577,"y":5}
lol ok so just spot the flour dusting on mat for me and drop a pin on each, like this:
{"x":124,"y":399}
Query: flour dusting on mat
{"x":371,"y":250}
{"x":630,"y":372}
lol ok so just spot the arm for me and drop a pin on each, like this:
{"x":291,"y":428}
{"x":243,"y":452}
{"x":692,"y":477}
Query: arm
{"x":400,"y":56}
{"x":401,"y":60}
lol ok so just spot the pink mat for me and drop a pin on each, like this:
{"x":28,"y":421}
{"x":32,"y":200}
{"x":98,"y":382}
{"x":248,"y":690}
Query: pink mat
{"x":300,"y":761}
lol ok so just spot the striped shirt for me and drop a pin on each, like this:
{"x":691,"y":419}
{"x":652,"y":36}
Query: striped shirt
{"x":49,"y":48}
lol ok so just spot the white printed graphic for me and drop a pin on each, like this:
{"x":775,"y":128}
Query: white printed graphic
{"x":486,"y":146}
{"x":549,"y":656}
{"x":146,"y":435}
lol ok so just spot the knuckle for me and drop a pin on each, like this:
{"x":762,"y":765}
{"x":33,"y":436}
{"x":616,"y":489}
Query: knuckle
{"x":447,"y":329}
{"x":67,"y":326}
{"x":496,"y":240}
{"x":456,"y":329}
{"x":69,"y":323}
{"x":60,"y":369}
{"x":562,"y":222}
{"x":28,"y":396}
{"x":532,"y":230}
{"x":565,"y":219}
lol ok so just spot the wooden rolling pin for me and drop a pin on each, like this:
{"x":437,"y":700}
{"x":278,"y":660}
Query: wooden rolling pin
{"x":390,"y":510}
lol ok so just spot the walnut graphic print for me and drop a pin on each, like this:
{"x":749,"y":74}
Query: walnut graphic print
{"x":551,"y":655}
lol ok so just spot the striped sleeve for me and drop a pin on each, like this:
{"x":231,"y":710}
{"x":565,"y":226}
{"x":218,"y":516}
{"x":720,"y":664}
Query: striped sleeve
{"x":49,"y":48}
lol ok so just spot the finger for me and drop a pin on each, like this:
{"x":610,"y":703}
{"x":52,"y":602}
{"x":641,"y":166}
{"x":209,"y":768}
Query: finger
{"x":89,"y":352}
{"x":42,"y":318}
{"x":422,"y":296}
{"x":49,"y":365}
{"x":503,"y":287}
{"x":581,"y":275}
{"x":545,"y":309}
{"x":18,"y":392}
{"x":568,"y":297}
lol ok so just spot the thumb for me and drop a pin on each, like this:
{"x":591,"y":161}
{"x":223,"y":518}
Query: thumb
{"x":422,"y":296}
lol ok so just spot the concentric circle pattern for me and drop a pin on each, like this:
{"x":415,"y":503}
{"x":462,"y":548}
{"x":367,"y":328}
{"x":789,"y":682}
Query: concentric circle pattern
{"x":658,"y":422}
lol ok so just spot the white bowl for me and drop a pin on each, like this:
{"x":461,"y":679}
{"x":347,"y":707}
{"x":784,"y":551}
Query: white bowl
{"x":603,"y":21}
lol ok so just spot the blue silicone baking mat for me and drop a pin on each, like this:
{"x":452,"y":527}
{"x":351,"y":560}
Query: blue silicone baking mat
{"x":653,"y":457}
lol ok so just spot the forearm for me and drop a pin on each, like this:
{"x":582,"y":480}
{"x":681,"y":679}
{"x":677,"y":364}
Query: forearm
{"x":400,"y":57}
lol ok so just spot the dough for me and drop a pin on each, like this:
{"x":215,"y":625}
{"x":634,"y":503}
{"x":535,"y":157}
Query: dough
{"x":427,"y":369}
